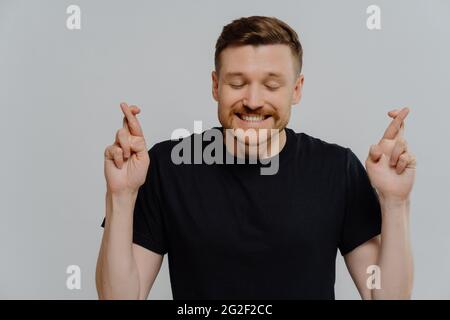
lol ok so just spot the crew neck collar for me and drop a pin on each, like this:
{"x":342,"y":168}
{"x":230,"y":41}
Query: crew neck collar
{"x":283,"y":154}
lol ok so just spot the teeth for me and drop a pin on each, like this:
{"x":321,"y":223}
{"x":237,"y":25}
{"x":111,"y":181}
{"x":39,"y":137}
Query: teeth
{"x":252,"y":118}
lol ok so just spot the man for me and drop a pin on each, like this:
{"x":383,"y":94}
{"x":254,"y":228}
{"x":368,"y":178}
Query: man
{"x":231,"y":232}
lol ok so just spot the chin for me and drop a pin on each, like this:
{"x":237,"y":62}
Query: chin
{"x":252,"y":132}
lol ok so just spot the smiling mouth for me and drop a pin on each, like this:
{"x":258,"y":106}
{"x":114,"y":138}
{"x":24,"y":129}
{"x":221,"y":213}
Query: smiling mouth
{"x":252,"y":117}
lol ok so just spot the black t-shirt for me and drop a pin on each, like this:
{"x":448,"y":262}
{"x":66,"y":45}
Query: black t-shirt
{"x":232,"y":233}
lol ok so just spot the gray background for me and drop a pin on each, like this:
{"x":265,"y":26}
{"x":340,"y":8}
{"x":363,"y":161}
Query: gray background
{"x":60,"y":92}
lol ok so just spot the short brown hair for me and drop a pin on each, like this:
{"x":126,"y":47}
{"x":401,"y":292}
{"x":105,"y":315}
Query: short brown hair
{"x":258,"y":30}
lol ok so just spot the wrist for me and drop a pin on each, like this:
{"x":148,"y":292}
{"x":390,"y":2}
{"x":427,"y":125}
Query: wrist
{"x":120,"y":202}
{"x":123,"y":194}
{"x":393,"y":206}
{"x":394,"y":202}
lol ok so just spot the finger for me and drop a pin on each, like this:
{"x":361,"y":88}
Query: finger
{"x":375,"y":152}
{"x":394,"y":127}
{"x":138,"y":145}
{"x":118,"y":157}
{"x":412,"y":163}
{"x":403,"y":161}
{"x":108,"y":153}
{"x":114,"y":153}
{"x":396,"y":124}
{"x":399,"y":148}
{"x":133,"y":122}
{"x":393,"y":113}
{"x":125,"y":125}
{"x":135,"y":110}
{"x":401,"y":132}
{"x":123,"y":140}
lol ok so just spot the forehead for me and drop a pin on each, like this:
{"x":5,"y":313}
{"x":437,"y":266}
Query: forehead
{"x":257,"y":60}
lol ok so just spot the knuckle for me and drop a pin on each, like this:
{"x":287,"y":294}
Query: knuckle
{"x":404,"y":157}
{"x":110,"y":149}
{"x":107,"y":151}
{"x":124,"y":140}
{"x":118,"y":151}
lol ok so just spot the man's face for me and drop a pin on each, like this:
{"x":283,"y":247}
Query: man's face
{"x":256,"y":87}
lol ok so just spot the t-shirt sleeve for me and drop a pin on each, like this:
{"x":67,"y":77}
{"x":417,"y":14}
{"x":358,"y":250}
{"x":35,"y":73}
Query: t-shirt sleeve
{"x":148,"y":220}
{"x":362,"y":217}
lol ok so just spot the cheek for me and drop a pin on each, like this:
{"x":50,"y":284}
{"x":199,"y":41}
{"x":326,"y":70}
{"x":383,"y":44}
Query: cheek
{"x":281,"y":103}
{"x":228,"y":99}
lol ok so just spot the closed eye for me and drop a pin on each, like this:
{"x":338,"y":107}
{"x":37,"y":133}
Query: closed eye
{"x":236,"y":86}
{"x":272,"y":88}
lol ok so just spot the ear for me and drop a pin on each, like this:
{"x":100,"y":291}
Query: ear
{"x":215,"y":85}
{"x":297,"y":94}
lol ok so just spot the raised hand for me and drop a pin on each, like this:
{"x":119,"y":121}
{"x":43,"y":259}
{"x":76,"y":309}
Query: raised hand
{"x":127,"y":160}
{"x":390,"y":165}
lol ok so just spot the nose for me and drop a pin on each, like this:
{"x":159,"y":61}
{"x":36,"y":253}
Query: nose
{"x":253,"y":99}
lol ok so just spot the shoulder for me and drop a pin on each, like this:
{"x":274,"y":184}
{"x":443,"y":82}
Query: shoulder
{"x":314,"y":146}
{"x":324,"y":151}
{"x":164,"y":150}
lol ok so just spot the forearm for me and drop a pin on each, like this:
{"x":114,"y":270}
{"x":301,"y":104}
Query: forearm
{"x":395,"y":256}
{"x":117,"y":274}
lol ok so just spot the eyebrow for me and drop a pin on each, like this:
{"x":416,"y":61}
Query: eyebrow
{"x":240,"y":74}
{"x":233,"y":74}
